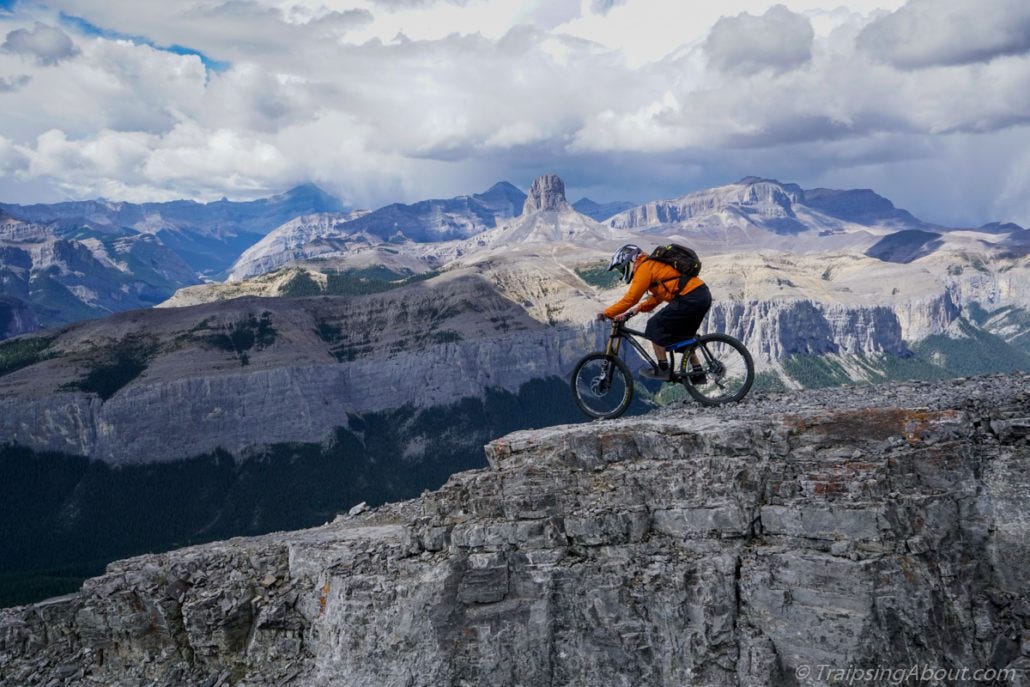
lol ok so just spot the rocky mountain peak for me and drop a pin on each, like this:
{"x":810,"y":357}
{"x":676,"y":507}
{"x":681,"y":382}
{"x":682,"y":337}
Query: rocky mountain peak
{"x":759,"y":189}
{"x":546,"y":193}
{"x":1001,"y":227}
{"x":310,"y":197}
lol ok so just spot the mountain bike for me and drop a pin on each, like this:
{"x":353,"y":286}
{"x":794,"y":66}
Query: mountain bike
{"x":603,"y":386}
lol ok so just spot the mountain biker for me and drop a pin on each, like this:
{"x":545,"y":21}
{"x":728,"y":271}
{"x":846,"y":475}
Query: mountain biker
{"x":675,"y":322}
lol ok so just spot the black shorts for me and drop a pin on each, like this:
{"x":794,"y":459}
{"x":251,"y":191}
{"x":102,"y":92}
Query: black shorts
{"x":680,"y":318}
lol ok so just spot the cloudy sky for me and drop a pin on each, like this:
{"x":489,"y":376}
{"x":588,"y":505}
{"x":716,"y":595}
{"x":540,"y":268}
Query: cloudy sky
{"x":925,"y":101}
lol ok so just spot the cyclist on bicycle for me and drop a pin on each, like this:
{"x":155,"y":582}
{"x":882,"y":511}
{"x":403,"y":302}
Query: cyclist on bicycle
{"x":677,"y":321}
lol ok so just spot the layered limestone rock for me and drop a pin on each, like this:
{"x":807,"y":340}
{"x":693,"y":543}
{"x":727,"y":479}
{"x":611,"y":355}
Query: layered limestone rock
{"x":16,"y":231}
{"x":768,"y":543}
{"x":773,"y":330}
{"x":259,"y":371}
{"x":764,"y":200}
{"x":302,"y":238}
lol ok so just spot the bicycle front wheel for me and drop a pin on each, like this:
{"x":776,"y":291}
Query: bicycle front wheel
{"x":728,"y":369}
{"x":602,"y":386}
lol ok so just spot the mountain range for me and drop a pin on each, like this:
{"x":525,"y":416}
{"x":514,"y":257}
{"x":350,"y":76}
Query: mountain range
{"x":68,"y":261}
{"x":365,"y":356}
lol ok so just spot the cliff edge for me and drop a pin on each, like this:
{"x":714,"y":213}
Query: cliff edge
{"x":770,"y":542}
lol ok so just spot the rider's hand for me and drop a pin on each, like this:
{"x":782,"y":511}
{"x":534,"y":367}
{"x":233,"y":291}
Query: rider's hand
{"x":601,"y":316}
{"x":626,"y":315}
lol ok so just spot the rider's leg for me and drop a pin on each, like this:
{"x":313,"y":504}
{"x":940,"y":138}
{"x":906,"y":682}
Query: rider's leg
{"x":662,"y":356}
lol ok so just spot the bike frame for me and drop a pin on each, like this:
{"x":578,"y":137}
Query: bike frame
{"x":620,"y":332}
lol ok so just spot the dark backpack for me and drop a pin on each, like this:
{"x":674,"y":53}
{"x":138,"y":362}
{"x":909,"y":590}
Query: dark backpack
{"x":680,"y":258}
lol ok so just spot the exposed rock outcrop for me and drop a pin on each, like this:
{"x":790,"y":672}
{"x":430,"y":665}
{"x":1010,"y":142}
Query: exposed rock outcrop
{"x":547,"y":194}
{"x":320,"y":359}
{"x":764,"y":201}
{"x":63,"y":275}
{"x":773,"y":330}
{"x":547,"y":218}
{"x":302,"y":238}
{"x":862,"y":528}
{"x":15,"y":317}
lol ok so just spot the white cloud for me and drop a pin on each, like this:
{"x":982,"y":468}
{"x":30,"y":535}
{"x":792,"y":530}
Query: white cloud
{"x":391,"y":101}
{"x":112,"y":85}
{"x":192,"y":157}
{"x":646,"y":31}
{"x":46,"y":44}
{"x":13,"y":83}
{"x":188,"y":161}
{"x":779,"y":40}
{"x":831,"y":99}
{"x":604,"y":6}
{"x":925,"y":33}
{"x":108,"y":154}
{"x":12,"y":160}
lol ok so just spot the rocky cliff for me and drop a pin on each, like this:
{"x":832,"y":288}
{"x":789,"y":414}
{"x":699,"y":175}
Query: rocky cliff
{"x":302,"y":238}
{"x":122,"y":390}
{"x":768,"y":543}
{"x":765,"y":202}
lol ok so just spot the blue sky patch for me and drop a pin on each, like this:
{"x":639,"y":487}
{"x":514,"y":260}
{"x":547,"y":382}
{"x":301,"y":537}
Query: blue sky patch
{"x":91,"y":29}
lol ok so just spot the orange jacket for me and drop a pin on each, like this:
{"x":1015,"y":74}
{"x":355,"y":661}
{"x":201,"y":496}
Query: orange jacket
{"x":655,"y":277}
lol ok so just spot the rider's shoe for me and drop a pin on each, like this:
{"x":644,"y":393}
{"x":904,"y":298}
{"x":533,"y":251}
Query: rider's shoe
{"x":649,"y":372}
{"x":698,"y":376}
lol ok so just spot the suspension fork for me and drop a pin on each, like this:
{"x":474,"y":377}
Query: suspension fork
{"x":614,"y":343}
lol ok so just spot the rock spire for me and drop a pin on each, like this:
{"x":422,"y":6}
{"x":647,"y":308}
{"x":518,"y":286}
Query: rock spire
{"x":546,"y":193}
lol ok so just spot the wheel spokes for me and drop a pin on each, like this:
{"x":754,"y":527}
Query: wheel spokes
{"x":601,"y":387}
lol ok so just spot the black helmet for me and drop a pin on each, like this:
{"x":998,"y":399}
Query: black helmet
{"x":624,"y":259}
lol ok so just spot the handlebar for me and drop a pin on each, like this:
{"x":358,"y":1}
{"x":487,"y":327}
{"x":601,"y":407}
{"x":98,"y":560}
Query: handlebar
{"x":620,"y":318}
{"x":619,"y":321}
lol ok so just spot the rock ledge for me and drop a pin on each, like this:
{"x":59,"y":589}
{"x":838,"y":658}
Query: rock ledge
{"x":858,"y":527}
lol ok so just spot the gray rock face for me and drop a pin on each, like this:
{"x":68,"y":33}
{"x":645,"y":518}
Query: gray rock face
{"x":302,"y":238}
{"x":15,"y":317}
{"x":768,"y":543}
{"x":547,"y":193}
{"x":777,"y":329}
{"x":761,"y":200}
{"x":425,"y":345}
{"x":57,"y":280}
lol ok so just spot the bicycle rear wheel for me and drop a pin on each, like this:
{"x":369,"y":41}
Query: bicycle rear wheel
{"x":602,"y":386}
{"x":728,"y":368}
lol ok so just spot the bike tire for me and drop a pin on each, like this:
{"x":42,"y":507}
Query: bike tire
{"x":593,"y":394}
{"x":729,"y":370}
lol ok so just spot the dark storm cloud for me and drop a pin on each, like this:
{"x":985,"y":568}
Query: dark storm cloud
{"x":779,"y":40}
{"x":45,"y":43}
{"x":927,"y":33}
